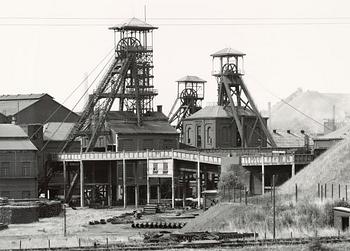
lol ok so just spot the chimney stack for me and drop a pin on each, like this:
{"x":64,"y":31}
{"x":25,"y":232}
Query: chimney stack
{"x":159,"y":108}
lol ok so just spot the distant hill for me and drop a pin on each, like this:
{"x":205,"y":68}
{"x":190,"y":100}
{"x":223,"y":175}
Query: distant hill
{"x":315,"y":104}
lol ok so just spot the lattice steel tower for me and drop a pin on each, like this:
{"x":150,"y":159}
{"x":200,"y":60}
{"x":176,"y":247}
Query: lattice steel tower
{"x":190,"y":93}
{"x":232,"y":92}
{"x":129,"y":78}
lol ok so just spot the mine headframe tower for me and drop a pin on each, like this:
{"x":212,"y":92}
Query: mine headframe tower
{"x":233,"y":93}
{"x":190,"y":93}
{"x":129,"y":79}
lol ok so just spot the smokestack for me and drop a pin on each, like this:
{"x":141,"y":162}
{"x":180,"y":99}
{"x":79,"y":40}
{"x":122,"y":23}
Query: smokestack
{"x":159,"y":108}
{"x":269,"y":110}
{"x":333,"y":119}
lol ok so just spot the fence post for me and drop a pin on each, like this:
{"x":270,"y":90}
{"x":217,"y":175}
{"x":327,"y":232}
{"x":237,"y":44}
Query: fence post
{"x":229,"y":194}
{"x":48,"y":241}
{"x":224,"y":192}
{"x":291,"y":235}
{"x":246,"y":195}
{"x":346,"y":192}
{"x":318,"y":190}
{"x":79,"y":242}
{"x":296,"y":193}
{"x":321,"y":192}
{"x":325,"y":190}
{"x":240,"y":195}
{"x":20,"y":244}
{"x":107,"y":242}
{"x":274,"y":208}
{"x":332,"y":191}
{"x":234,"y":194}
{"x":339,"y":190}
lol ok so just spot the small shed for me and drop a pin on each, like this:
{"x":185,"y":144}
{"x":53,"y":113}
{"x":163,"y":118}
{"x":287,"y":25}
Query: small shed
{"x":209,"y":198}
{"x":341,"y":218}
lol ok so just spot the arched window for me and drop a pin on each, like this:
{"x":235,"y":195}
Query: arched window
{"x":188,"y":135}
{"x":209,"y":135}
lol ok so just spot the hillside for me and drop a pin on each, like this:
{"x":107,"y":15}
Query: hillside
{"x":315,"y":104}
{"x":333,"y":166}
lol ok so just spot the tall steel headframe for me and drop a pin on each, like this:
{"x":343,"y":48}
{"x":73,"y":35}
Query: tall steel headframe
{"x":129,"y":79}
{"x":228,"y":69}
{"x":190,"y":93}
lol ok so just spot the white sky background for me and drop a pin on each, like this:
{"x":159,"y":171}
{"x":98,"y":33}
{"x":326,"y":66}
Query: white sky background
{"x":280,"y":58}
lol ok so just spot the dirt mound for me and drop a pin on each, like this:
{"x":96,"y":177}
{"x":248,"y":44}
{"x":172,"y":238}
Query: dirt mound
{"x":332,"y":167}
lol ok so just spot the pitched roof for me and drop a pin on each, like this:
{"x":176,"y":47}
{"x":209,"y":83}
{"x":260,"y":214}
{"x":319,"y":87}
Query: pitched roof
{"x":218,"y":112}
{"x":12,"y":137}
{"x":340,"y":133}
{"x":133,"y":24}
{"x":227,"y":52}
{"x":57,"y":131}
{"x":193,"y":79}
{"x":11,"y":131}
{"x":283,"y":138}
{"x":12,"y":104}
{"x":130,"y":116}
{"x":148,"y":127}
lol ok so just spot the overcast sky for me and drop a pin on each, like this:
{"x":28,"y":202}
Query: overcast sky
{"x":53,"y":57}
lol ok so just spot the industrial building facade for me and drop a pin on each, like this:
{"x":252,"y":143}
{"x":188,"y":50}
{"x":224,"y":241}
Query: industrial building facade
{"x":18,"y":164}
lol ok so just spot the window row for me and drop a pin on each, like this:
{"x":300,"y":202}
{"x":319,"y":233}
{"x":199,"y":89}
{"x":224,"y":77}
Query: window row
{"x":24,"y":171}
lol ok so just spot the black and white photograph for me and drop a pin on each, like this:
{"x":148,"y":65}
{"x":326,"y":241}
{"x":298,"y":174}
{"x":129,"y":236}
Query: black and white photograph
{"x":175,"y":125}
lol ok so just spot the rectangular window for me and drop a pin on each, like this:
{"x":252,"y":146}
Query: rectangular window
{"x":26,"y":168}
{"x":4,"y":169}
{"x":155,"y":168}
{"x":5,"y":194}
{"x":165,"y":168}
{"x":25,"y":194}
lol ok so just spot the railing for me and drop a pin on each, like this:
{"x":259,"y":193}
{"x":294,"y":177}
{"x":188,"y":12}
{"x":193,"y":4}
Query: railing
{"x":155,"y":154}
{"x":276,"y":159}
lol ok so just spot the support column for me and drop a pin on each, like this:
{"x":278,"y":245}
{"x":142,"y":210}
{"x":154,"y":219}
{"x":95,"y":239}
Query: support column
{"x":64,"y":180}
{"x":148,"y":187}
{"x":293,"y":167}
{"x":172,"y":181}
{"x":198,"y":182}
{"x":124,"y":180}
{"x":136,"y":196}
{"x":82,"y":184}
{"x":110,"y":184}
{"x":262,"y":175}
{"x":158,"y":191}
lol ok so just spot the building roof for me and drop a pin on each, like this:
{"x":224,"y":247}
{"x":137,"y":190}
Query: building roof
{"x":133,"y":24}
{"x":193,"y":79}
{"x":57,"y":131}
{"x":12,"y":137}
{"x":340,"y":133}
{"x":342,"y":209}
{"x":227,"y":52}
{"x":218,"y":112}
{"x":288,"y":138}
{"x":11,"y":131}
{"x":12,"y":104}
{"x":22,"y":144}
{"x":126,"y":116}
{"x":148,"y":127}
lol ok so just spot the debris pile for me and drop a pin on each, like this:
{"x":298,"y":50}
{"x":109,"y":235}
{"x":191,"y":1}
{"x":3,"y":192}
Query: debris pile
{"x":158,"y":224}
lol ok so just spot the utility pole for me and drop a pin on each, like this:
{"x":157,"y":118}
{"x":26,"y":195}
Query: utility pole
{"x":274,"y":206}
{"x":64,"y":220}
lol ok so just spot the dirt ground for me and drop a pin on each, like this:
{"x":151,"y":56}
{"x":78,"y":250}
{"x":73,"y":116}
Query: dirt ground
{"x":49,"y":231}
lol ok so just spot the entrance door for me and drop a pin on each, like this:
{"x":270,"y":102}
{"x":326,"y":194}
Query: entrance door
{"x":344,"y":223}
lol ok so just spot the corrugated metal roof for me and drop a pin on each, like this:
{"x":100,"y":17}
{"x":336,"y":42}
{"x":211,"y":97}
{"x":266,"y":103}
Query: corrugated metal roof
{"x":12,"y":131}
{"x":57,"y":131}
{"x":291,"y":139}
{"x":218,"y":112}
{"x":193,"y":79}
{"x":12,"y":104}
{"x":227,"y":52}
{"x":134,"y":24}
{"x":22,"y":144}
{"x":341,"y":133}
{"x":130,"y":116}
{"x":23,"y":96}
{"x":148,"y":127}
